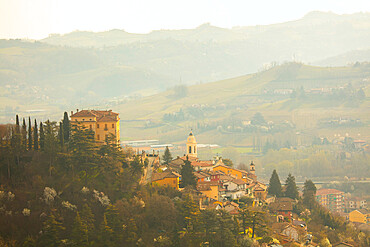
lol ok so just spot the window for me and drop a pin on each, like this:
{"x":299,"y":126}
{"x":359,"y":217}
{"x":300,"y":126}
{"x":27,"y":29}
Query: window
{"x":189,"y":149}
{"x":90,"y":126}
{"x":194,"y":150}
{"x":98,"y":137}
{"x":90,"y":119}
{"x":97,"y":126}
{"x":83,"y":119}
{"x":112,"y":126}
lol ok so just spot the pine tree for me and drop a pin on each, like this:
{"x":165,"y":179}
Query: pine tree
{"x":24,"y":135}
{"x":309,"y":192}
{"x":42,"y":137}
{"x":114,"y":222}
{"x":254,"y":219}
{"x":88,"y":219}
{"x":105,"y":236}
{"x":51,"y":232}
{"x":275,"y":185}
{"x":187,"y":176}
{"x":291,"y":189}
{"x":35,"y":137}
{"x":79,"y":232}
{"x":167,"y":157}
{"x":66,"y":128}
{"x":29,"y":134}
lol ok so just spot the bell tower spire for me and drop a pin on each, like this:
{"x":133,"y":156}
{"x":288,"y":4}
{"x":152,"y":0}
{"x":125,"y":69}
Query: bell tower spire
{"x":191,"y":146}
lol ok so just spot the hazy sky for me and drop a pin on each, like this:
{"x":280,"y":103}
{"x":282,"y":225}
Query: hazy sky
{"x":36,"y":19}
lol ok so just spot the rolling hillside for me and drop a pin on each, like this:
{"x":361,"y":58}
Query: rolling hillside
{"x":230,"y":102}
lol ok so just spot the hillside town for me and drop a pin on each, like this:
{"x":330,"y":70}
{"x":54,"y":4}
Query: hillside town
{"x":206,"y":193}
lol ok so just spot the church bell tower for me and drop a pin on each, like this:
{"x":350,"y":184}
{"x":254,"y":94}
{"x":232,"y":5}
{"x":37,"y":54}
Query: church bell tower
{"x":191,"y":146}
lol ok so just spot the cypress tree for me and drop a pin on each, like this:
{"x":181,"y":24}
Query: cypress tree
{"x":24,"y":135}
{"x":61,"y":134}
{"x":16,"y":141}
{"x":42,"y":137}
{"x":29,"y":134}
{"x":17,"y":127}
{"x":187,"y":176}
{"x":35,"y":137}
{"x":291,"y":190}
{"x":167,"y":157}
{"x":275,"y":185}
{"x":66,"y":127}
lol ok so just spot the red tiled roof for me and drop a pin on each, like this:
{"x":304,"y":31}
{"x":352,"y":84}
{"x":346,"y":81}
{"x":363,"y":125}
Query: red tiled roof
{"x":328,"y":192}
{"x":84,"y":113}
{"x":238,"y":181}
{"x":200,"y":163}
{"x":242,"y":171}
{"x":162,"y":175}
{"x":94,"y":113}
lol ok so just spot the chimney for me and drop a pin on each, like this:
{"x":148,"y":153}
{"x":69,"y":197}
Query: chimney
{"x":71,"y":113}
{"x":77,"y":110}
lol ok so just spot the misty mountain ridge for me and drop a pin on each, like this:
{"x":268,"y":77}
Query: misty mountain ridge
{"x":116,"y":64}
{"x":203,"y":33}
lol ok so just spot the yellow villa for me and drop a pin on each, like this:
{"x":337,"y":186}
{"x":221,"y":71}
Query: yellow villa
{"x":360,"y":216}
{"x":102,"y":123}
{"x":167,"y":178}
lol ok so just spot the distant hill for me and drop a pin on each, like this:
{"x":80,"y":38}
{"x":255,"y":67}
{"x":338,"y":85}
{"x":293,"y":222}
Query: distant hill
{"x":344,"y":59}
{"x":208,"y":53}
{"x":236,"y":100}
{"x":85,"y":68}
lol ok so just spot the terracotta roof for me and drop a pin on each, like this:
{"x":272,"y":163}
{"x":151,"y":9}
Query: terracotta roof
{"x":328,"y":191}
{"x":94,"y":113}
{"x":200,"y":163}
{"x":232,"y":204}
{"x":84,"y":113}
{"x":107,"y":119}
{"x":242,"y":171}
{"x":363,"y":211}
{"x":238,"y":181}
{"x":162,"y":175}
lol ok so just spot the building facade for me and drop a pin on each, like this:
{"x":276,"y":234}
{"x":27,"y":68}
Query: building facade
{"x":103,"y":123}
{"x":332,"y":199}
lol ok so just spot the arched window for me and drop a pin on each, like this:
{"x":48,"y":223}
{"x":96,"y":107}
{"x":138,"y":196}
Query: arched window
{"x":194,"y":150}
{"x":189,"y":149}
